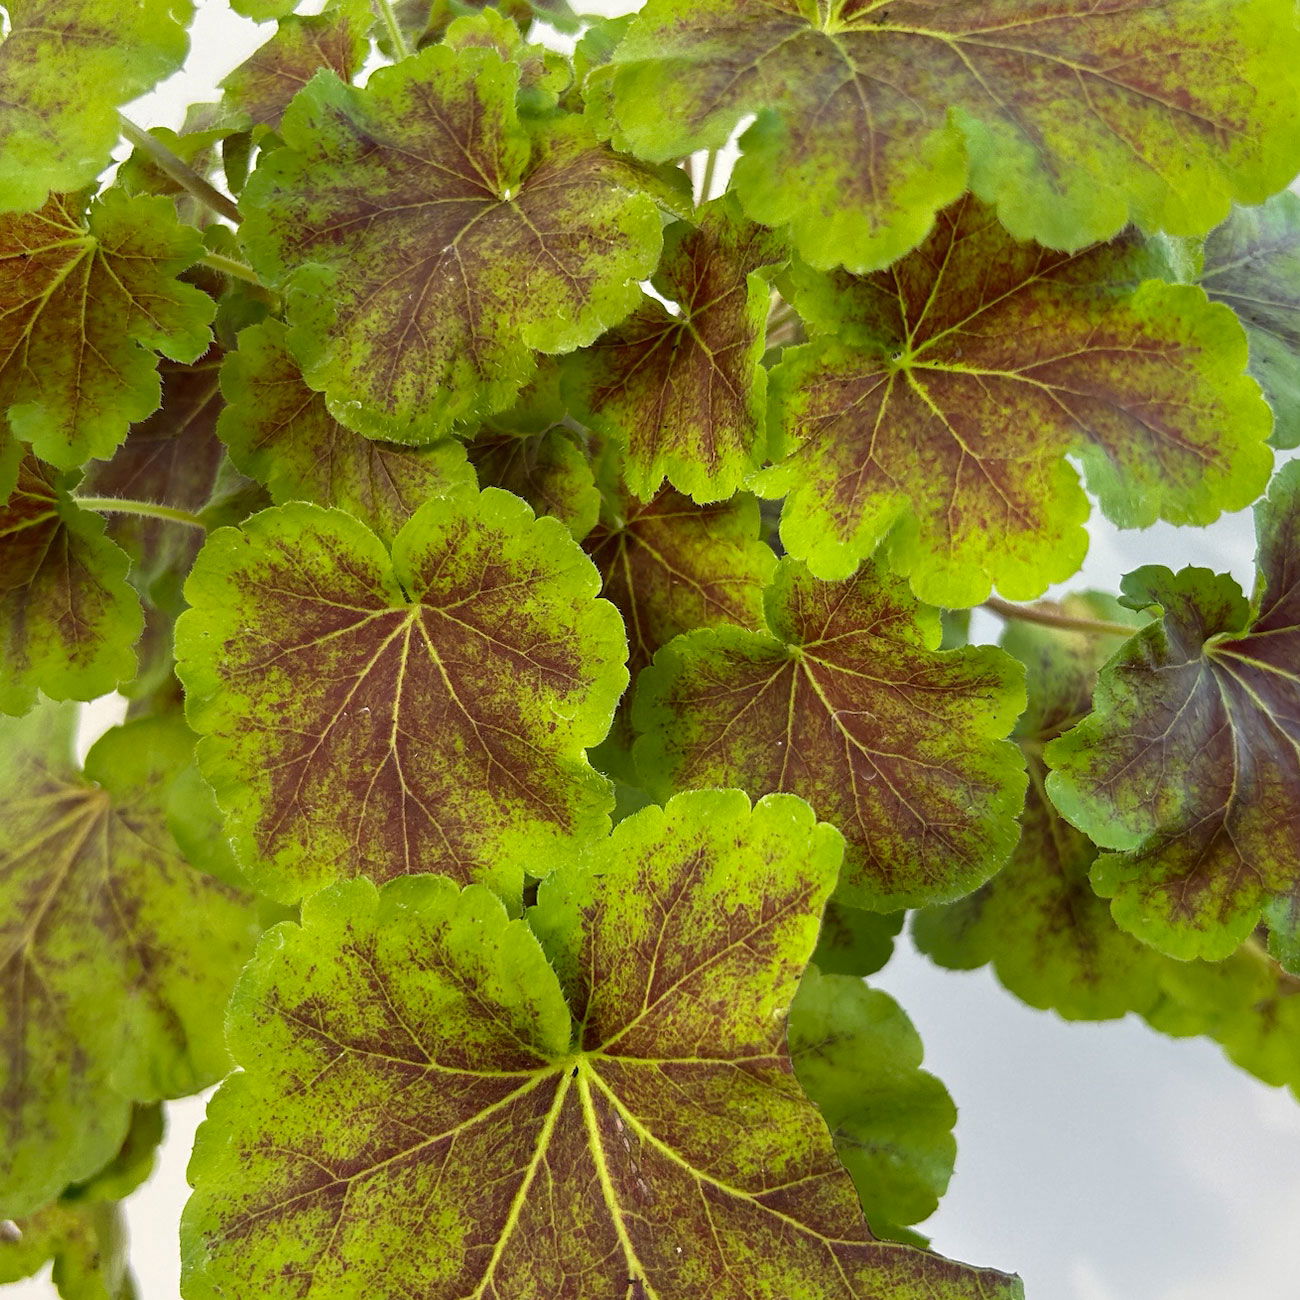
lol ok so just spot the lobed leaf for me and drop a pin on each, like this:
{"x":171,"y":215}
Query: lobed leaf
{"x":549,"y":470}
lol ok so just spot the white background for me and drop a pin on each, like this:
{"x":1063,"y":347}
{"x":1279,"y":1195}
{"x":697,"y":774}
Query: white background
{"x":1102,"y":1162}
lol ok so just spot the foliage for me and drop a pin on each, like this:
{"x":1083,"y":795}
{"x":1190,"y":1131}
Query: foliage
{"x":538,"y":567}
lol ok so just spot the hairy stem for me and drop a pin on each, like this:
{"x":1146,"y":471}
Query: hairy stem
{"x":181,"y":172}
{"x":396,"y":37}
{"x":230,"y":266}
{"x":1055,"y":618}
{"x":123,"y":506}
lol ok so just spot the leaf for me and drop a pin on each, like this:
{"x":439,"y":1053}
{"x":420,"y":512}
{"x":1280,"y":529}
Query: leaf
{"x":942,"y":396}
{"x":268,"y":79}
{"x":105,"y":998}
{"x":381,"y":715}
{"x":1048,"y":935}
{"x":86,"y":1241}
{"x":637,"y":1134}
{"x":68,"y":616}
{"x":683,"y":388}
{"x":672,"y":566}
{"x":549,"y":470}
{"x":426,"y":21}
{"x":847,"y":703}
{"x":1252,"y":263}
{"x":280,"y":432}
{"x":433,"y":241}
{"x":1072,"y":120}
{"x":854,"y":941}
{"x":83,"y":306}
{"x":1189,"y":764}
{"x":858,"y":1058}
{"x":66,"y":66}
{"x":263,"y":11}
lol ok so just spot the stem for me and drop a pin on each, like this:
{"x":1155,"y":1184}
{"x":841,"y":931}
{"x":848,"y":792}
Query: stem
{"x":779,"y":314}
{"x":1051,"y":618}
{"x":396,"y":36}
{"x":706,"y":182}
{"x":181,"y":172}
{"x":122,"y":506}
{"x":229,"y":266}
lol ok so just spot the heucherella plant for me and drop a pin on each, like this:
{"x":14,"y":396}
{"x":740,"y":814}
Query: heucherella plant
{"x":534,"y":558}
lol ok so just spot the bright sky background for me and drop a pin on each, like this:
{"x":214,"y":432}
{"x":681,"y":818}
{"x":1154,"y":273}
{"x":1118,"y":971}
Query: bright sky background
{"x":1102,"y":1162}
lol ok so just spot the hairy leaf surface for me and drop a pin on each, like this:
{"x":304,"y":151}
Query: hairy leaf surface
{"x":66,"y":66}
{"x":683,"y":390}
{"x":847,"y":702}
{"x":1073,"y":118}
{"x":83,"y":306}
{"x":446,"y":239}
{"x":1252,"y":263}
{"x":943,"y":395}
{"x":281,"y":433}
{"x":377,"y":713}
{"x":105,"y":996}
{"x":631,"y":1128}
{"x":68,"y":616}
{"x":1189,"y":764}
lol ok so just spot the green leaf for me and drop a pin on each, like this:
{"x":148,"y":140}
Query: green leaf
{"x":858,"y":1058}
{"x":1189,"y":764}
{"x":68,"y":616}
{"x":1252,"y":263}
{"x":268,"y":79}
{"x":683,"y":390}
{"x":854,"y":941}
{"x":438,"y":241}
{"x":630,"y":1128}
{"x":281,"y":433}
{"x":83,"y":307}
{"x":1072,"y":120}
{"x":87,"y":1242}
{"x":1050,"y":938}
{"x":66,"y":66}
{"x":847,"y":702}
{"x":941,"y":398}
{"x":388,"y":714}
{"x":105,"y":996}
{"x":263,"y":11}
{"x":549,"y":470}
{"x":672,"y":566}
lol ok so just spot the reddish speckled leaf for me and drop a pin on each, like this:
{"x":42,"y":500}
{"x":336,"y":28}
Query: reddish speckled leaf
{"x":943,"y":395}
{"x":432,"y":241}
{"x":1073,"y":116}
{"x":281,"y":433}
{"x":377,"y":714}
{"x":105,"y":996}
{"x":630,"y":1130}
{"x":672,"y":566}
{"x":1189,"y":764}
{"x":848,"y":703}
{"x":550,"y":470}
{"x":683,"y":390}
{"x":83,"y":304}
{"x":68,"y":616}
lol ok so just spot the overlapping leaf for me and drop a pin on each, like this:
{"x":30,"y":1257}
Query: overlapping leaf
{"x":1189,"y":764}
{"x":428,"y":709}
{"x":631,"y":1128}
{"x":943,"y":395}
{"x":106,"y":995}
{"x":549,"y":470}
{"x":66,"y":66}
{"x":1050,"y":938}
{"x":83,"y":306}
{"x":672,"y":566}
{"x":847,"y":703}
{"x":1074,"y":120}
{"x":855,"y":941}
{"x":1252,"y":262}
{"x":68,"y":616}
{"x":858,"y":1058}
{"x":281,"y":432}
{"x":447,"y":240}
{"x":683,"y":389}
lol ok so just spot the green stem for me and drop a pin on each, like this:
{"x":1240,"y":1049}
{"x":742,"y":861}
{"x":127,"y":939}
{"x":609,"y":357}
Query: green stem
{"x":710,"y":169}
{"x":231,"y":266}
{"x":181,"y":172}
{"x":122,"y":506}
{"x":1053,"y":618}
{"x":396,"y":36}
